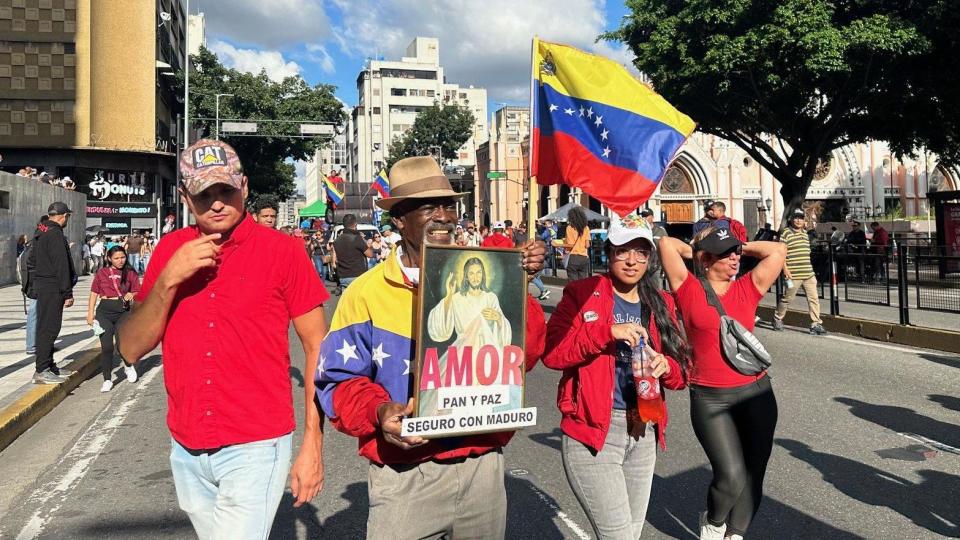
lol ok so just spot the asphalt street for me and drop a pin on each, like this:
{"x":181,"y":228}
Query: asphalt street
{"x":867,"y":447}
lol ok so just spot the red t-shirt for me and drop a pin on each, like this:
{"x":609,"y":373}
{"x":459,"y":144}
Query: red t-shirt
{"x":497,"y":240}
{"x":226,"y":354}
{"x":702,"y":324}
{"x":107,"y":282}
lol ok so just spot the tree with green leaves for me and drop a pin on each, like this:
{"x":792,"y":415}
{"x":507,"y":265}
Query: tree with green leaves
{"x":267,"y":161}
{"x":789,"y":81}
{"x":446,"y":128}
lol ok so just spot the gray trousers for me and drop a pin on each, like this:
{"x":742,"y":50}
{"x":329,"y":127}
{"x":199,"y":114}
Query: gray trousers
{"x":613,"y":485}
{"x":430,"y":500}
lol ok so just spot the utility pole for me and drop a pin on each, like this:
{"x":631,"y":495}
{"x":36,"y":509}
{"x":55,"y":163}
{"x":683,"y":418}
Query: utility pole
{"x":185,"y":212}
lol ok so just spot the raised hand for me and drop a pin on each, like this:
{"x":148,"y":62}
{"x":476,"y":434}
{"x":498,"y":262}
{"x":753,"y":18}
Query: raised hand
{"x":191,"y":257}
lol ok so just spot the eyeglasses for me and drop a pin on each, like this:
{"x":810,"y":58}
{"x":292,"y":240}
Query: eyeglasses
{"x":738,"y":250}
{"x":622,"y":254}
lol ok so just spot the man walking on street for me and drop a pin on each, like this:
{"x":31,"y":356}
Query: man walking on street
{"x":352,"y":252}
{"x":220,"y":295}
{"x":447,"y":488}
{"x":133,"y":248}
{"x":54,"y":277}
{"x":799,"y":273}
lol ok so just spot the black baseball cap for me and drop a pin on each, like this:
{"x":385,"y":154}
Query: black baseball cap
{"x":58,"y":208}
{"x":797,"y":213}
{"x":708,"y":204}
{"x":646,"y":212}
{"x":718,"y":242}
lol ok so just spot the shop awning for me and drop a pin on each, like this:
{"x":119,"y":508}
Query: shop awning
{"x":317,"y":209}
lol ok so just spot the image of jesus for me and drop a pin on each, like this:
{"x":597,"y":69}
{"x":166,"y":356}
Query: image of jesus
{"x":473,"y":312}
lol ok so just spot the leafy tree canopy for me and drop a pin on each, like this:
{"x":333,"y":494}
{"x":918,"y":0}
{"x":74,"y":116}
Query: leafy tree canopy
{"x":791,"y":80}
{"x":445,"y":127}
{"x":259,"y":99}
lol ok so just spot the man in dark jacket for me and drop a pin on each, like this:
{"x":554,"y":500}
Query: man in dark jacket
{"x":54,"y":278}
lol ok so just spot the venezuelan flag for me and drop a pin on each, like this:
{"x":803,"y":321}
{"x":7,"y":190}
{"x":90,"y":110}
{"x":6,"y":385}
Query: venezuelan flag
{"x":382,"y":184}
{"x":598,"y":128}
{"x":334,"y":194}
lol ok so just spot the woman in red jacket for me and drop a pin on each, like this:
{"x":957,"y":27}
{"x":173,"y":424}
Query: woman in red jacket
{"x":608,"y":452}
{"x":734,"y":415}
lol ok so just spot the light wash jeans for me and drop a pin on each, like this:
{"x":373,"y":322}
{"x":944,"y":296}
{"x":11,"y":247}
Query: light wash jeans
{"x":613,"y":486}
{"x":134,"y":260}
{"x":233,"y":493}
{"x":31,"y":326}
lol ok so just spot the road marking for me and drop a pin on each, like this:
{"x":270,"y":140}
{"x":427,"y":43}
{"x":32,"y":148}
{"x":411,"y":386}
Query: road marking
{"x":931,"y":443}
{"x":571,"y":524}
{"x":871,"y":343}
{"x":86,"y":450}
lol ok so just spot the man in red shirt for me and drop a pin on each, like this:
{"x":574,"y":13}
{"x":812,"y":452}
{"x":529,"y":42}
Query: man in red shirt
{"x":499,"y":237}
{"x":230,"y":407}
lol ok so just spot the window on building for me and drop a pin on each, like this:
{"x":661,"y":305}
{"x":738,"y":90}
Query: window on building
{"x":376,"y":110}
{"x":398,"y":91}
{"x":376,"y":91}
{"x":430,"y":93}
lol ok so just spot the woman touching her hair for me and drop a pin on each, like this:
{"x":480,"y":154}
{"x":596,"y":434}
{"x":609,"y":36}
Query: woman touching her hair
{"x":734,"y":415}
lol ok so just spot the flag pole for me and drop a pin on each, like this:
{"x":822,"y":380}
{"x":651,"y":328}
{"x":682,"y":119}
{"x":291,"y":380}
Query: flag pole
{"x":533,"y":193}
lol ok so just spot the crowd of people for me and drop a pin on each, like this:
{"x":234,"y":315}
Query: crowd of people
{"x":227,"y":374}
{"x":65,"y":182}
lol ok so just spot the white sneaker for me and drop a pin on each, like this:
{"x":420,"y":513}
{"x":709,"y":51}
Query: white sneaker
{"x":131,"y":373}
{"x":733,"y":537}
{"x":106,"y":386}
{"x":710,"y":532}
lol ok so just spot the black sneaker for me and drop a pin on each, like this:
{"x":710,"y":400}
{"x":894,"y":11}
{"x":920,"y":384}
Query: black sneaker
{"x":48,"y":377}
{"x":818,"y":330}
{"x":777,"y":324}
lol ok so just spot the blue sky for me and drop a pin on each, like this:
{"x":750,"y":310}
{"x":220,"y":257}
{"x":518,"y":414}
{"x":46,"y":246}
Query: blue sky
{"x":485,"y":43}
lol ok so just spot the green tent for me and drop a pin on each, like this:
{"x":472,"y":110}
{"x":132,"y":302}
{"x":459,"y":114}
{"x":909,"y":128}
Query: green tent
{"x":317,"y":209}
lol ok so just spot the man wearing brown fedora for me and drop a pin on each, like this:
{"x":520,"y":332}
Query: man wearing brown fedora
{"x":416,"y":487}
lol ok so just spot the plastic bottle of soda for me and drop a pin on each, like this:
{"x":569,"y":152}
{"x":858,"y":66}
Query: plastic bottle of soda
{"x":648,"y":386}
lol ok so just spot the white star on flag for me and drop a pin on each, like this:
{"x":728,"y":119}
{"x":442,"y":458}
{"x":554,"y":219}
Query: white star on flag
{"x":379,"y":355}
{"x":320,"y":366}
{"x":582,"y":111}
{"x":406,"y":370}
{"x":347,"y":352}
{"x":606,"y":151}
{"x":568,"y":111}
{"x":603,"y":135}
{"x":599,"y":120}
{"x":553,"y":107}
{"x":590,"y":112}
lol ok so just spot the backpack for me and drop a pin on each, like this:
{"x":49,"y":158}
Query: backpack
{"x":26,"y":265}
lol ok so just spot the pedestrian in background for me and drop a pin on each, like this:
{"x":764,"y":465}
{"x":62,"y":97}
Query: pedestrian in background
{"x":147,"y":250}
{"x":472,"y":236}
{"x":722,"y":220}
{"x":115,"y":286}
{"x":499,"y":238}
{"x":221,"y":295}
{"x":576,"y":239}
{"x":799,"y":273}
{"x":734,"y":415}
{"x":97,"y":251}
{"x":657,"y":230}
{"x":26,"y":267}
{"x":608,"y":451}
{"x":352,"y":252}
{"x":54,"y":277}
{"x":21,"y":244}
{"x":265,"y":212}
{"x":132,"y":247}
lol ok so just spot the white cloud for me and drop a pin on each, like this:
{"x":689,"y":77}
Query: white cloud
{"x":271,"y":24}
{"x":253,"y":61}
{"x":318,"y":55}
{"x":481,"y":43}
{"x":300,"y":177}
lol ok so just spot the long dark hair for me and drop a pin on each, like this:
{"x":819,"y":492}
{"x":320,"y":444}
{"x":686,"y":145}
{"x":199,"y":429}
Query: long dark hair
{"x":673,"y":341}
{"x":465,"y":283}
{"x":577,"y":219}
{"x":126,"y":264}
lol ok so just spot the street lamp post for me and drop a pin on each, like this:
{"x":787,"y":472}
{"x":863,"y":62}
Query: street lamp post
{"x":184,"y":212}
{"x":217,"y":101}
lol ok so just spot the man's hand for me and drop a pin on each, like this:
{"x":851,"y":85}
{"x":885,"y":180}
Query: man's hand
{"x":629,"y":332}
{"x":534,"y":253}
{"x":306,"y":475}
{"x":191,"y":257}
{"x":390,"y":416}
{"x":68,"y":302}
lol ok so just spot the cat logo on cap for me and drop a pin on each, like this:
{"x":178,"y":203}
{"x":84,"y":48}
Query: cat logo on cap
{"x":207,"y":156}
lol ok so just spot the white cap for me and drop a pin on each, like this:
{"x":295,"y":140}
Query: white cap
{"x":629,"y":228}
{"x":499,"y":225}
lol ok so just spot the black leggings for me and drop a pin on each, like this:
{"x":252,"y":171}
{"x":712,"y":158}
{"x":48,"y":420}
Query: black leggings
{"x":110,"y":313}
{"x":735,"y":428}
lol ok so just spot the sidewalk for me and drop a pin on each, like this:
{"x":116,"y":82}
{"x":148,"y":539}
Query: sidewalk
{"x":21,"y":401}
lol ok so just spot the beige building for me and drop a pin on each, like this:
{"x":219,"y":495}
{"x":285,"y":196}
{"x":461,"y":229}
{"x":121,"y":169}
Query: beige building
{"x":502,"y":195}
{"x":85,"y":92}
{"x":392,"y":93}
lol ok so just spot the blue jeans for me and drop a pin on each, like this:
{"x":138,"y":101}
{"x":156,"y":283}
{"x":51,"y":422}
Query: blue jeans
{"x":134,"y":260}
{"x":31,"y":325}
{"x":233,"y":493}
{"x":344,"y":282}
{"x":538,"y":283}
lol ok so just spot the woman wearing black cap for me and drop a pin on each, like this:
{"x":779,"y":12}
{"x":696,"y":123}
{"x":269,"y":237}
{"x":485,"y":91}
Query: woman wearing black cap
{"x":734,"y":415}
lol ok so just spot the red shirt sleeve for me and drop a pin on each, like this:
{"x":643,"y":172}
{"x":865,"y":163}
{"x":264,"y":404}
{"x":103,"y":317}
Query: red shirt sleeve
{"x":98,"y":285}
{"x":536,"y":332}
{"x":134,"y":280}
{"x":303,"y":289}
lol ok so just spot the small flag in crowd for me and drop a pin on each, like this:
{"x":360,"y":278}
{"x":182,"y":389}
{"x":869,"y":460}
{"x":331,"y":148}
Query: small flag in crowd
{"x":334,"y":194}
{"x":598,"y":128}
{"x":382,"y":184}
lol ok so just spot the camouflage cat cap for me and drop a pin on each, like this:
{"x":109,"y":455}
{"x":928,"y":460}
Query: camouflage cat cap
{"x":208,"y":162}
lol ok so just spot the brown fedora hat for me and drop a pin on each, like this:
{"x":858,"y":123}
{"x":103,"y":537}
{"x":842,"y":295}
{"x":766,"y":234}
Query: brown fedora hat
{"x":416,"y":178}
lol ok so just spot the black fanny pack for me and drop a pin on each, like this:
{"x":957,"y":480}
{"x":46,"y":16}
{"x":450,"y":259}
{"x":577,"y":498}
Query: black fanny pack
{"x":740,"y":347}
